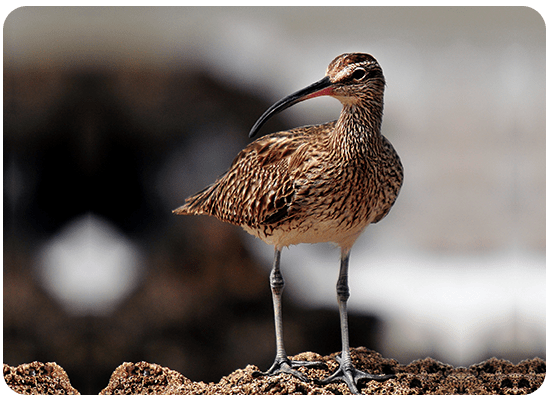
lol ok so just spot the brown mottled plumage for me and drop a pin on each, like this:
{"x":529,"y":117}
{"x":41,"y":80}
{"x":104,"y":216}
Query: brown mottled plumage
{"x":321,"y":183}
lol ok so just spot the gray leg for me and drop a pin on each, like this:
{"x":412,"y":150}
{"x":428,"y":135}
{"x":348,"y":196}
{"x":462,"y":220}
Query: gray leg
{"x":282,"y":362}
{"x":346,"y":371}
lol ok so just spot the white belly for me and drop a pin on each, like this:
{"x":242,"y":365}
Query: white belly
{"x":318,"y":232}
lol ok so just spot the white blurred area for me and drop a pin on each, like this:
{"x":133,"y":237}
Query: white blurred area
{"x":89,"y":267}
{"x":460,"y":310}
{"x":457,"y":269}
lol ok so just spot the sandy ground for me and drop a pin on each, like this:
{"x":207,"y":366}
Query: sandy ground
{"x":426,"y":376}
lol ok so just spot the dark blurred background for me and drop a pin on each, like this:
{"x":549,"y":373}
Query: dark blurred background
{"x":113,"y":116}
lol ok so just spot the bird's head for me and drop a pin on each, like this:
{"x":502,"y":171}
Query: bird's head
{"x":351,"y":78}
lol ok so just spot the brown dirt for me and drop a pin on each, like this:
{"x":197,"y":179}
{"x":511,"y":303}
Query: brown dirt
{"x":425,"y":376}
{"x":38,"y":378}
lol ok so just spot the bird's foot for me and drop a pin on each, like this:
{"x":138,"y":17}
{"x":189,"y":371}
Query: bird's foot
{"x":286,"y":365}
{"x":347,"y":373}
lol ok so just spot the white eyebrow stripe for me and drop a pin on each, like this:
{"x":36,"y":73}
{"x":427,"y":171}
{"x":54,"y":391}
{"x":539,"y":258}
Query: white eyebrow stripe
{"x":348,"y":70}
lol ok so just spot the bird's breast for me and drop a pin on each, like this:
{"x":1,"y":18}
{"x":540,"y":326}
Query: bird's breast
{"x":330,"y":204}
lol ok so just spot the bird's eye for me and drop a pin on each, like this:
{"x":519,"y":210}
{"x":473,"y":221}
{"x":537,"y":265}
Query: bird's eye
{"x":359,"y":74}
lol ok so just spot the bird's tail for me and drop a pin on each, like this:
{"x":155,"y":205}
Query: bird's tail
{"x":197,"y":204}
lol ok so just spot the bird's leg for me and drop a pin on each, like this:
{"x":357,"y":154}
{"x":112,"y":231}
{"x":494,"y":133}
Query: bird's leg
{"x":346,"y":371}
{"x":282,"y":363}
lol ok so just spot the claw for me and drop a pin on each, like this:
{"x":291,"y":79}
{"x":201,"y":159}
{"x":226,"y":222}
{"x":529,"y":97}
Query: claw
{"x":347,"y":373}
{"x":286,"y":365}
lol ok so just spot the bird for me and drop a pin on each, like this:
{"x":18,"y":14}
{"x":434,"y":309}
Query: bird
{"x":314,"y":184}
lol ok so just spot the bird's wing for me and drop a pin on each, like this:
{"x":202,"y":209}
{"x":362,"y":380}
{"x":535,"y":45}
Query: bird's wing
{"x":259,"y":187}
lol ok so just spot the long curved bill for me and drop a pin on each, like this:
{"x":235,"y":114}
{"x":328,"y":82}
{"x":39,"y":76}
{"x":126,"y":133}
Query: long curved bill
{"x":319,"y":88}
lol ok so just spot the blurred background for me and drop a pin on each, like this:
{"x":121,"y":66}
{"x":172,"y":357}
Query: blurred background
{"x":113,"y":116}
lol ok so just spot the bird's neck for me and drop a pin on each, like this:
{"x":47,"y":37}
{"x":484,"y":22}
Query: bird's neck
{"x":358,"y":127}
